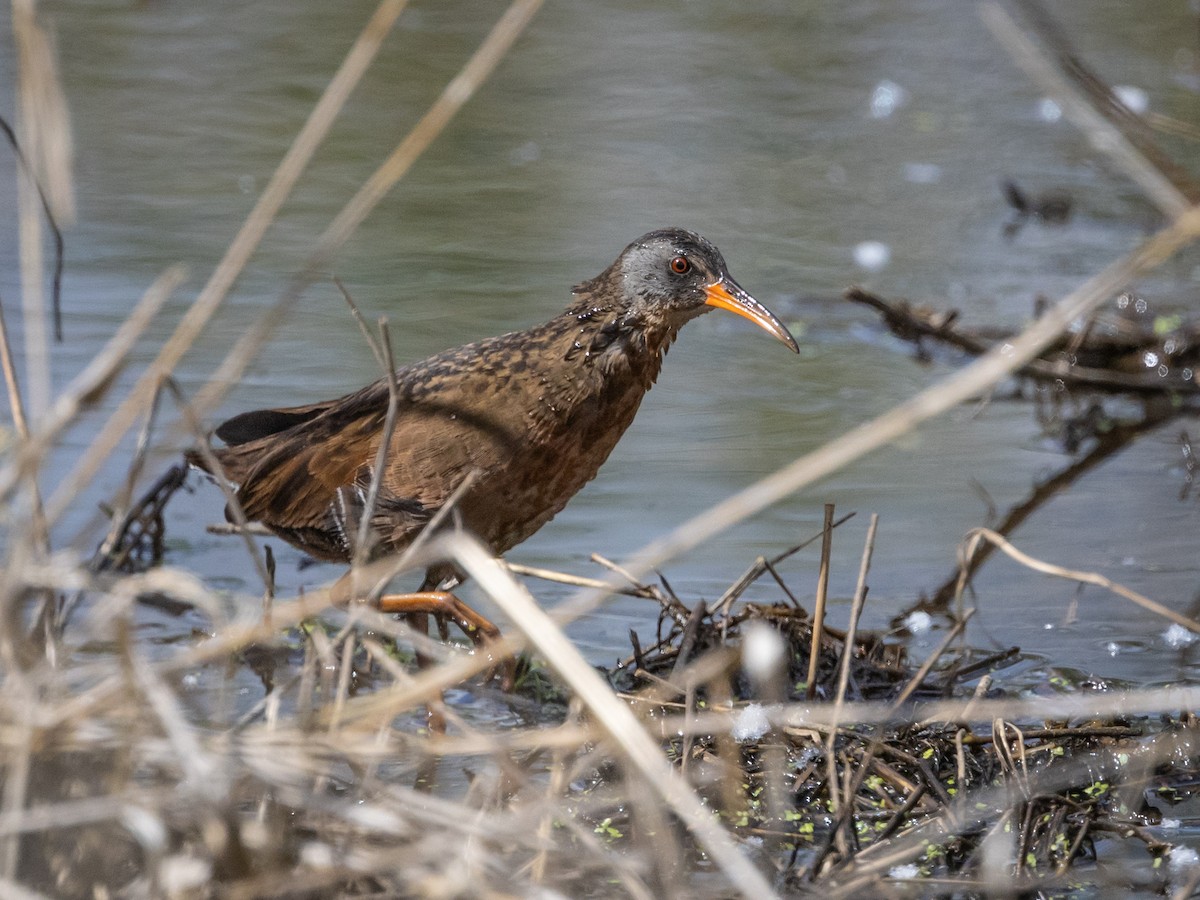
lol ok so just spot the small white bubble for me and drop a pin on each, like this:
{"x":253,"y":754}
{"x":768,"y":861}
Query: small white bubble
{"x":527,"y":153}
{"x":918,"y":622}
{"x":1048,"y":110}
{"x":922,"y":173}
{"x":1150,"y":359}
{"x":751,"y":724}
{"x":1049,"y":626}
{"x":905,"y":872}
{"x":1162,"y":371}
{"x":1140,"y":305}
{"x":1137,"y":100}
{"x":1112,"y":648}
{"x":1176,"y":637}
{"x":1181,"y":858}
{"x":872,"y":255}
{"x":886,"y":98}
{"x":807,"y":755}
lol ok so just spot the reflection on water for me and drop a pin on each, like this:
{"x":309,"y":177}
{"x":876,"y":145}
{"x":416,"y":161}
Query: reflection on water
{"x":764,"y":132}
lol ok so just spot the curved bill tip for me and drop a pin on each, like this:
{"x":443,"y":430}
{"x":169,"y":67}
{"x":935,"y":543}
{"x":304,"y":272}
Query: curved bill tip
{"x":728,"y":294}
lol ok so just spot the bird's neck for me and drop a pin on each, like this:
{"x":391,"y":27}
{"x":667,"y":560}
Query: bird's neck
{"x":601,"y":362}
{"x":606,"y":334}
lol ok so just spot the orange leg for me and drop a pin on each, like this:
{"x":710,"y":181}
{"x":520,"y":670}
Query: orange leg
{"x":444,"y":605}
{"x":435,"y":711}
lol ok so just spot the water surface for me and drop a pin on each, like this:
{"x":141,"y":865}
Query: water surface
{"x":608,"y":119}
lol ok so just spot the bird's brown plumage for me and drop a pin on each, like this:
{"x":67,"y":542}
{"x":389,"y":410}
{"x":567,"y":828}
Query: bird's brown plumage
{"x":532,"y":413}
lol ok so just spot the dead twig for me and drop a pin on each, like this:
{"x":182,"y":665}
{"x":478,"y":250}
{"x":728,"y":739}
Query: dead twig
{"x":978,"y":535}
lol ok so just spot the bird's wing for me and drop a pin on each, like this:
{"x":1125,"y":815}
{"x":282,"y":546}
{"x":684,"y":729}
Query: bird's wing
{"x":260,"y":423}
{"x":308,"y":480}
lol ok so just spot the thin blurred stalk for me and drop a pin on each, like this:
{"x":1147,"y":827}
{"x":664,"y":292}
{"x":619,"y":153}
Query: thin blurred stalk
{"x":44,"y":135}
{"x":21,"y":427}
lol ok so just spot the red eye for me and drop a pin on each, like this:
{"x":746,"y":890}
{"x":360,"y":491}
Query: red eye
{"x":680,"y":264}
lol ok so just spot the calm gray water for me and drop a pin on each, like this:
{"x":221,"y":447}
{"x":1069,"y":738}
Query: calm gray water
{"x":608,"y":119}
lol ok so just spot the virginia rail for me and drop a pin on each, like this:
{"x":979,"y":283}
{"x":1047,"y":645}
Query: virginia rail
{"x":532,"y":414}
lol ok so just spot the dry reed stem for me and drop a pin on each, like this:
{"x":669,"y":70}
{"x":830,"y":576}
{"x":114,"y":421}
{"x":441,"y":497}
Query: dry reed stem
{"x":818,"y":629}
{"x":47,"y":143}
{"x":202,"y":774}
{"x":44,"y":135}
{"x":642,"y":755}
{"x":755,"y":571}
{"x":574,"y":580}
{"x":11,"y":889}
{"x":362,"y":545}
{"x":978,"y":535}
{"x":16,"y":783}
{"x":280,"y":185}
{"x":38,"y":533}
{"x":12,"y":382}
{"x":1092,"y":705}
{"x":1187,"y":886}
{"x":856,"y":607}
{"x":381,"y":348}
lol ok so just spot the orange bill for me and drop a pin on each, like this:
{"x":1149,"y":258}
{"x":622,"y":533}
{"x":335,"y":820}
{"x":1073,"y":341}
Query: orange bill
{"x":727,"y":294}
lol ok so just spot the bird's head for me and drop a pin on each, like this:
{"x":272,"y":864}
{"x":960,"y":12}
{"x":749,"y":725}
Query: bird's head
{"x":672,"y":275}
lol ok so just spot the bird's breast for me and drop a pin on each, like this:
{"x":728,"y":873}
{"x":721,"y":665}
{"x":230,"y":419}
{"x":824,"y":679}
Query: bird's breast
{"x":573,"y":419}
